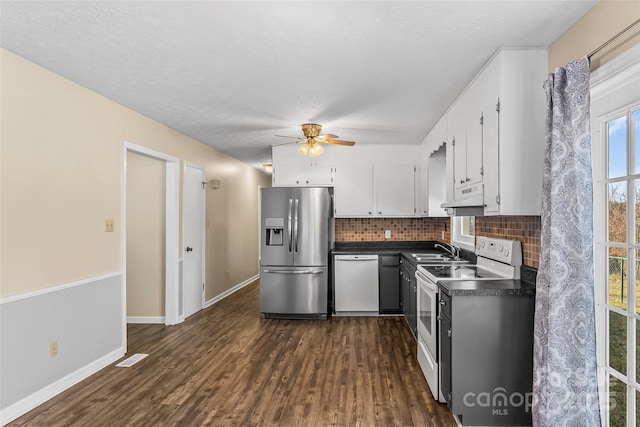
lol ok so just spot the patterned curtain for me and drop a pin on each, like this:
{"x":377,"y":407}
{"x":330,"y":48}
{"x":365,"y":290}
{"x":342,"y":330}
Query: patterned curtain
{"x":565,"y":387}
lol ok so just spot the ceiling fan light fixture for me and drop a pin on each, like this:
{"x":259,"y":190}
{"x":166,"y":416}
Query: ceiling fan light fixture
{"x":315,"y":149}
{"x":304,"y":149}
{"x":268,"y":167}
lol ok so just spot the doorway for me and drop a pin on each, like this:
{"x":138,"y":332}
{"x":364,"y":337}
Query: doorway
{"x":193,"y":214}
{"x":171,"y":233}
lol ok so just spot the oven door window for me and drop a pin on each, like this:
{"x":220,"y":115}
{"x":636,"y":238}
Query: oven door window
{"x":427,"y":314}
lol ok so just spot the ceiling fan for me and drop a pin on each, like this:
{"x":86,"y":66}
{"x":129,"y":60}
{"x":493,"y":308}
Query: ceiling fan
{"x":311,"y":142}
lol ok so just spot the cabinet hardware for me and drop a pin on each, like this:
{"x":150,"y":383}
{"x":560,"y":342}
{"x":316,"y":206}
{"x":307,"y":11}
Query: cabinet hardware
{"x":481,"y":119}
{"x":449,"y":333}
{"x":453,"y":141}
{"x":482,"y":171}
{"x":369,"y":212}
{"x":467,"y":179}
{"x":462,"y":181}
{"x":498,"y":106}
{"x":498,"y":199}
{"x":379,"y":213}
{"x":443,"y":302}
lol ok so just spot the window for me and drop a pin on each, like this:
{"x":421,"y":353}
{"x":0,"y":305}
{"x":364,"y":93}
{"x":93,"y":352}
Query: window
{"x":463,"y":231}
{"x":615,"y":113}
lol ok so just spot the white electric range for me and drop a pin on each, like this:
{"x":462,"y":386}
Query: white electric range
{"x":496,"y":259}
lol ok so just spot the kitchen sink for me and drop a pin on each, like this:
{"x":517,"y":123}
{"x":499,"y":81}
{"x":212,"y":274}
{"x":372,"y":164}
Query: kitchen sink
{"x":436,"y":258}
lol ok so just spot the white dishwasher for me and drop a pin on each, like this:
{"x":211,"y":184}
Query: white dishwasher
{"x":356,"y":285}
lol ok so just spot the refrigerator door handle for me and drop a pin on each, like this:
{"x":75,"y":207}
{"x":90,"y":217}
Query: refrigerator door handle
{"x":290,"y":225}
{"x":293,"y":271}
{"x":295,"y":222}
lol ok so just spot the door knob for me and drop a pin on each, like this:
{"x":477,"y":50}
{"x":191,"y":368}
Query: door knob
{"x":189,"y":249}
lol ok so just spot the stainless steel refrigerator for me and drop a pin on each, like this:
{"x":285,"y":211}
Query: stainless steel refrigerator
{"x":296,"y":235}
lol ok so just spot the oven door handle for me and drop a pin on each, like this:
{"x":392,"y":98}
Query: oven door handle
{"x":422,"y":280}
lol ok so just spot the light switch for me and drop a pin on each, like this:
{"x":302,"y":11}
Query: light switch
{"x":387,"y":234}
{"x":108,"y":225}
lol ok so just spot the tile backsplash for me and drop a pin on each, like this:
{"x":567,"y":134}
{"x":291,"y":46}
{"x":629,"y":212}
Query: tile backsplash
{"x":523,"y":228}
{"x":402,"y":229}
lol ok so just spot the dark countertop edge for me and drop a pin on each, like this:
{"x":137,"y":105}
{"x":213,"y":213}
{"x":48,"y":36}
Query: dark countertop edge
{"x":390,"y":245}
{"x":528,"y":274}
{"x":517,"y":288}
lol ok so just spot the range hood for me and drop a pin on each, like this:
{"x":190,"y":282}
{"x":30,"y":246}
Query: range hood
{"x":469,"y":201}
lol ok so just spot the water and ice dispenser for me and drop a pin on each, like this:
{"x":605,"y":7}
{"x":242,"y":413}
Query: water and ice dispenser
{"x":275,"y":231}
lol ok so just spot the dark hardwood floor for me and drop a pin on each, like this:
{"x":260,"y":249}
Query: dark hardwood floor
{"x":225,"y":367}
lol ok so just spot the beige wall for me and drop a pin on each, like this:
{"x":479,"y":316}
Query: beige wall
{"x":146,"y":221}
{"x":606,"y":19}
{"x":61,"y":173}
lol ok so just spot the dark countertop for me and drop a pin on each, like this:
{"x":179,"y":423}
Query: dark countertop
{"x":383,"y":247}
{"x":502,"y":287}
{"x":387,"y":247}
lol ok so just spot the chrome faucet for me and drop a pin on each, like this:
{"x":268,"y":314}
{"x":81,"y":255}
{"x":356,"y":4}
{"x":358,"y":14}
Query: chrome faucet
{"x":452,"y":250}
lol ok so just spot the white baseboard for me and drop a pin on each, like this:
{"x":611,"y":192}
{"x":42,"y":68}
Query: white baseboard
{"x":146,"y":319}
{"x":28,"y":403}
{"x":230,"y":291}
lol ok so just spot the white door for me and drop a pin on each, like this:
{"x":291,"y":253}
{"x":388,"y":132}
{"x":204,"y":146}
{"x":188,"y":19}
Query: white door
{"x":193,"y":232}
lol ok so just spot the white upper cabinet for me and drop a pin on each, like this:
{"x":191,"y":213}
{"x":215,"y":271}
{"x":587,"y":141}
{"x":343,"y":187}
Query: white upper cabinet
{"x":432,"y":175}
{"x":395,"y":190}
{"x":496,"y":128}
{"x":374,"y":190}
{"x":353,"y":191}
{"x":514,"y":132}
{"x":295,"y":175}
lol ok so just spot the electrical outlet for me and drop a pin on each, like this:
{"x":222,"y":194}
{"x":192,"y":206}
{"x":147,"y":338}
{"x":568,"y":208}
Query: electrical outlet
{"x":108,"y":225}
{"x":53,"y":348}
{"x":228,"y":274}
{"x":442,"y":235}
{"x":387,"y":234}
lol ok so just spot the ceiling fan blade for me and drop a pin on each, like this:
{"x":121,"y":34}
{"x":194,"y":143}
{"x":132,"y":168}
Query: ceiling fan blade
{"x":339,"y":142}
{"x":285,"y":136}
{"x":328,"y":136}
{"x":284,"y":143}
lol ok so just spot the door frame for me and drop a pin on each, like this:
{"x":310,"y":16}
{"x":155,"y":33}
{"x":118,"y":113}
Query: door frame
{"x":171,"y":232}
{"x":202,"y":237}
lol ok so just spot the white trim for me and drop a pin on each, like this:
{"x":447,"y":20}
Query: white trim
{"x":172,"y":230}
{"x":56,"y":288}
{"x":468,"y":243}
{"x":613,"y":73}
{"x":203,"y":237}
{"x":613,"y":91}
{"x":228,"y":292}
{"x":14,"y":411}
{"x":146,"y":319}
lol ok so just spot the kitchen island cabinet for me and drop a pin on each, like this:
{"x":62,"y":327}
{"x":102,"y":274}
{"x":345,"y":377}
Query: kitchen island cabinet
{"x":389,"y":280}
{"x":486,"y":350}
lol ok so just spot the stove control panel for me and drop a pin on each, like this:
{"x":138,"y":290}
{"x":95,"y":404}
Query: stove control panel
{"x":503,"y":250}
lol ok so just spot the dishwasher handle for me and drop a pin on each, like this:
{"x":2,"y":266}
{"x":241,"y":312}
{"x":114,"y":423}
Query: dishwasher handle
{"x":356,"y":257}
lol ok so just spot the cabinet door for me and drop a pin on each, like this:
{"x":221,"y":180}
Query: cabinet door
{"x":395,"y":190}
{"x":474,"y":147}
{"x":320,"y":176}
{"x":389,"y":284}
{"x":287,"y":175}
{"x":445,"y":358}
{"x":353,"y":190}
{"x":457,"y":126}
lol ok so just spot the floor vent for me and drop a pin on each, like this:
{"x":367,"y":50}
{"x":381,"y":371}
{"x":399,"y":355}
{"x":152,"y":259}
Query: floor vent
{"x":126,"y":363}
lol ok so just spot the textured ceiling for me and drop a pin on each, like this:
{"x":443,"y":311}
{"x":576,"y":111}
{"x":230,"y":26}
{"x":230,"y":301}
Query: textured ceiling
{"x":233,"y":74}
